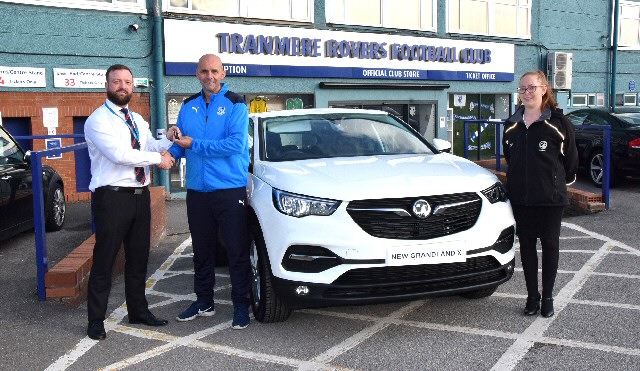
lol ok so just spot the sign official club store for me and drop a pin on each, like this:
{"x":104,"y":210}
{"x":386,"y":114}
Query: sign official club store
{"x":408,"y":75}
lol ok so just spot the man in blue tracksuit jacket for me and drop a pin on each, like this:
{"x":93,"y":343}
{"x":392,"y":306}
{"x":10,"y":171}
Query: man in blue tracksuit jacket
{"x":213,"y":136}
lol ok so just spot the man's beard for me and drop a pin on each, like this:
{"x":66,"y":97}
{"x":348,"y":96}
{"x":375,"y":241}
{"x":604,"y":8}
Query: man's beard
{"x":115,"y":98}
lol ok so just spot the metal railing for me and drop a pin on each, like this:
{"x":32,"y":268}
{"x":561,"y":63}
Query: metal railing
{"x":606,"y":158}
{"x":606,"y":149}
{"x":498,"y":146}
{"x":42,"y":262}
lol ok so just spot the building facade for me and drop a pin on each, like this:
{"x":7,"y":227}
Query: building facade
{"x":434,"y":63}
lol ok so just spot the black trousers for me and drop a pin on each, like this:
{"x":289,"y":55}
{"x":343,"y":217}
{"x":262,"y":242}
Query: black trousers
{"x":225,"y":212}
{"x":529,"y":259}
{"x":120,"y":217}
{"x":544,"y":223}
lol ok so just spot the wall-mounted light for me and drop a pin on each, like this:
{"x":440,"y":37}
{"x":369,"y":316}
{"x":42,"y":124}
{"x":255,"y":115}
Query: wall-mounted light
{"x":134,"y":27}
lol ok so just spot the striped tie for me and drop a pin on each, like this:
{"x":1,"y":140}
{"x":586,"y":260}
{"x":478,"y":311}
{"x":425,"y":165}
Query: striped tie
{"x":140,"y":175}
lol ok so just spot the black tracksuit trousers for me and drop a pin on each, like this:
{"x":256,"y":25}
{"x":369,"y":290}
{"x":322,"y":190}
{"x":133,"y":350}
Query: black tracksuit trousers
{"x":221,"y":212}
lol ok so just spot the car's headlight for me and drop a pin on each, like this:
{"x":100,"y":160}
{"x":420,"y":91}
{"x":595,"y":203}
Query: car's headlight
{"x":299,"y":206}
{"x":495,"y":193}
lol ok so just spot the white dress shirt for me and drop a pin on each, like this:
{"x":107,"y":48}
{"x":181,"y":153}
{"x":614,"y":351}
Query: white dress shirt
{"x":109,"y":143}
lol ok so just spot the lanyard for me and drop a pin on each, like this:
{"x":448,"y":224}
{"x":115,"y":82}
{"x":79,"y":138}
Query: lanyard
{"x":133,"y":130}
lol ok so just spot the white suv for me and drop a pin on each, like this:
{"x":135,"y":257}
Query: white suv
{"x":354,"y":206}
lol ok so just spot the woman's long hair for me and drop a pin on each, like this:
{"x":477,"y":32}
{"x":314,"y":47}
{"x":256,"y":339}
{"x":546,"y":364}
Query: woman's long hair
{"x":548,"y":99}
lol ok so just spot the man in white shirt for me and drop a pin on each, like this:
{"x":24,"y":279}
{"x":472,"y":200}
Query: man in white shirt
{"x":121,"y":149}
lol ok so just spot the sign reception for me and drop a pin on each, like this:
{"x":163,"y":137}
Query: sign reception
{"x":253,"y":50}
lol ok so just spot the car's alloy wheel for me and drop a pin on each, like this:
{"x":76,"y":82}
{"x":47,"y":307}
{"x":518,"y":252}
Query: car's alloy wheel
{"x":55,"y":209}
{"x":596,"y":170}
{"x":265,"y":304}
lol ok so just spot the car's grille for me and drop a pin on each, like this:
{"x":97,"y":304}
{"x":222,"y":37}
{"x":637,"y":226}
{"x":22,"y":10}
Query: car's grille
{"x":377,"y":217}
{"x":412,"y":279}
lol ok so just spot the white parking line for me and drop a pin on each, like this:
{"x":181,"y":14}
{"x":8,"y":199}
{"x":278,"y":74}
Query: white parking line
{"x":522,"y":341}
{"x":364,"y":334}
{"x":534,"y":332}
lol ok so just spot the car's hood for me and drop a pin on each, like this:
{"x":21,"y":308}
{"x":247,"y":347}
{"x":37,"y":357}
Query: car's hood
{"x":376,"y":176}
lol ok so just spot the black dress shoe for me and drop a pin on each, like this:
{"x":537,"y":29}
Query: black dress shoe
{"x":533,"y":305}
{"x":147,"y":319}
{"x":95,"y":330}
{"x":547,"y":307}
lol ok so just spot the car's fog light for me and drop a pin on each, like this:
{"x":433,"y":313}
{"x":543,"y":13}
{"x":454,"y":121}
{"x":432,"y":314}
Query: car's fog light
{"x":302,"y":290}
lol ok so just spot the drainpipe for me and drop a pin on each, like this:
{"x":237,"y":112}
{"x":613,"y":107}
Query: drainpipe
{"x":614,"y":56}
{"x":158,"y":84}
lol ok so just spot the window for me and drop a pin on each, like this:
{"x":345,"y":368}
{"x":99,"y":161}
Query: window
{"x":630,"y":99}
{"x":600,"y":99}
{"x":578,"y":100}
{"x":136,"y":6}
{"x":412,"y":14}
{"x":591,"y":100}
{"x":629,"y":24}
{"x":284,"y":10}
{"x":507,"y":18}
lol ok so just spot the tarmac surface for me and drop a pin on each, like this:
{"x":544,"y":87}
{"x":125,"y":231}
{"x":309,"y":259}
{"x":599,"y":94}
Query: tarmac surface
{"x":597,"y":302}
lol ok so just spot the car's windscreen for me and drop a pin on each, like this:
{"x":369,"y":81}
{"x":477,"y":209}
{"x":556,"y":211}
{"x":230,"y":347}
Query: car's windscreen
{"x":308,"y":137}
{"x":630,"y":118}
{"x":10,"y":153}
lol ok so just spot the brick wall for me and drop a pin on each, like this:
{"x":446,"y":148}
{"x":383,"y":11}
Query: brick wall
{"x":70,"y":105}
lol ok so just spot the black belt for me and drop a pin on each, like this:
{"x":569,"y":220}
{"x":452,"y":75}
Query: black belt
{"x":133,"y":190}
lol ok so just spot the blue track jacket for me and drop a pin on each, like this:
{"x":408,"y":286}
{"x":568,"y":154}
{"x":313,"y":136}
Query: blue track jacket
{"x":219,"y":154}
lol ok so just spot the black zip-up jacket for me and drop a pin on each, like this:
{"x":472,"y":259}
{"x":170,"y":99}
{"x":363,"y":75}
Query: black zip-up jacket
{"x":542,"y":159}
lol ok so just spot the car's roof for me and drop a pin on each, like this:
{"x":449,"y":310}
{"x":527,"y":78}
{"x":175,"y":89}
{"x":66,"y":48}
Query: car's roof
{"x":626,"y":109}
{"x":316,"y":111}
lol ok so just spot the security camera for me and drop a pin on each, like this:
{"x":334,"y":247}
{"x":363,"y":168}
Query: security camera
{"x":134,"y":27}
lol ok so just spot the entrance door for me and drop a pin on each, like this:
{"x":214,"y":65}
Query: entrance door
{"x":83,"y":163}
{"x":19,"y":126}
{"x":482,"y":138}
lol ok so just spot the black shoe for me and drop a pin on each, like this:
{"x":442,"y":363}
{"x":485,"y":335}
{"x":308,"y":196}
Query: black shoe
{"x":533,"y":305}
{"x":547,"y":307}
{"x":95,"y":330}
{"x":148,"y":319}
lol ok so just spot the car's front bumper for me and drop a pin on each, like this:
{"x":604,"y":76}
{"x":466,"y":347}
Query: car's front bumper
{"x":396,"y":283}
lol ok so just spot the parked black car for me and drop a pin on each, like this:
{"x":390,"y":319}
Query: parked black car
{"x":16,"y":193}
{"x":625,"y":142}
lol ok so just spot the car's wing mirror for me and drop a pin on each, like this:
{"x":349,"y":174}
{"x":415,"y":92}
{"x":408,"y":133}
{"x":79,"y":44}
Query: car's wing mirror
{"x":27,"y":157}
{"x":441,"y":145}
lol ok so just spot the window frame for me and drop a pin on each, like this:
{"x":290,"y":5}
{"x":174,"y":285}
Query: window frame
{"x":243,"y":11}
{"x":139,"y":7}
{"x":434,"y":17}
{"x":575,"y":97}
{"x":634,"y":99}
{"x":491,"y":5}
{"x":626,"y":3}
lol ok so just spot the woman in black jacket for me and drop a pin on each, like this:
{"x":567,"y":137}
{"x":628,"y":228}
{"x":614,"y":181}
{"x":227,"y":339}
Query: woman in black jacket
{"x":539,"y":146}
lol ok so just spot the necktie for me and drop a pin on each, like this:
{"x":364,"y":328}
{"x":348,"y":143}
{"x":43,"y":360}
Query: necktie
{"x":140,"y":176}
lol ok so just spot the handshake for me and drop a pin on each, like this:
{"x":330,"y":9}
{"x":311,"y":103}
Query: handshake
{"x":167,"y":161}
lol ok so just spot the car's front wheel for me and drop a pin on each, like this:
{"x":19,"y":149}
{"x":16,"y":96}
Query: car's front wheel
{"x":596,"y":170}
{"x":479,"y":294}
{"x":55,"y":209}
{"x":265,"y":304}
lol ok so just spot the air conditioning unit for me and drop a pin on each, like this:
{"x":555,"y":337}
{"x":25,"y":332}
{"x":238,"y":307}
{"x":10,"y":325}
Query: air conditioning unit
{"x":560,"y":69}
